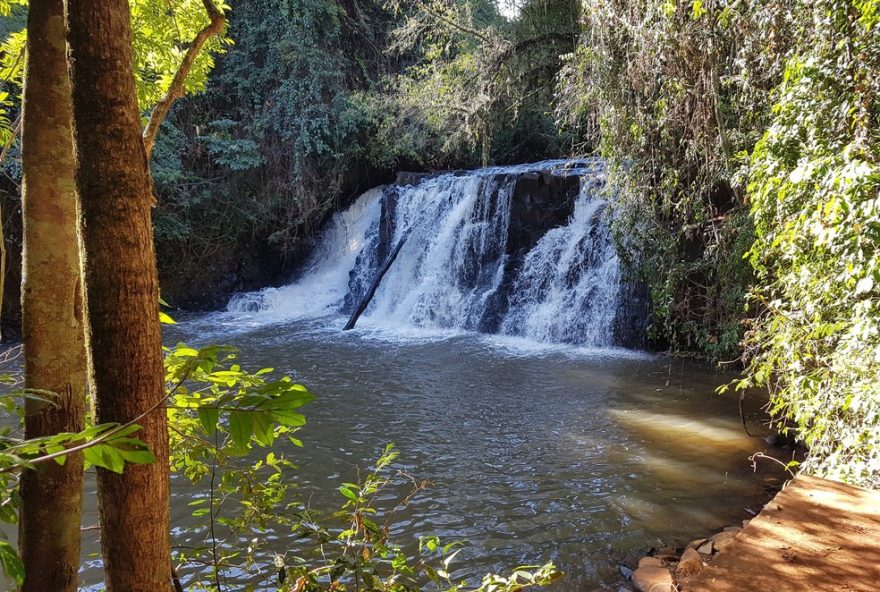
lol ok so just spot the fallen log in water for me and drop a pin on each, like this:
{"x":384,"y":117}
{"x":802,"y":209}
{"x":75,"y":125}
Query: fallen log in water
{"x":365,"y":301}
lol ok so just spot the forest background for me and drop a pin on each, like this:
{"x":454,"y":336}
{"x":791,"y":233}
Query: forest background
{"x":741,"y":138}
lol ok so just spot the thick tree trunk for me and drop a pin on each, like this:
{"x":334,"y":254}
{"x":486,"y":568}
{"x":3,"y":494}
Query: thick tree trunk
{"x":122,"y":292}
{"x":52,"y":330}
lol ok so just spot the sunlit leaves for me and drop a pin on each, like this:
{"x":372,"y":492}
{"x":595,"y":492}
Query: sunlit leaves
{"x":161,"y":32}
{"x":815,"y":190}
{"x":11,"y":73}
{"x":244,"y":406}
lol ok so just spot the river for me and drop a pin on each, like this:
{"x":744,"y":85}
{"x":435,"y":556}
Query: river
{"x":491,"y":355}
{"x":536,"y":452}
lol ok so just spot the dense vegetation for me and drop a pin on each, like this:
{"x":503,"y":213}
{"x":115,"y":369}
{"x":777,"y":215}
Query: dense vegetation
{"x":318,"y":101}
{"x":742,"y":139}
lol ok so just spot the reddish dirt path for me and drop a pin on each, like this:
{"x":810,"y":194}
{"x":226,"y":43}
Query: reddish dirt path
{"x":814,"y":536}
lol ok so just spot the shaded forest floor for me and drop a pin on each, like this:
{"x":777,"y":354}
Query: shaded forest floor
{"x":814,"y":535}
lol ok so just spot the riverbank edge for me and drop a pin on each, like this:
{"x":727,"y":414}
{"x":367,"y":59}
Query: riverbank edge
{"x":814,"y":534}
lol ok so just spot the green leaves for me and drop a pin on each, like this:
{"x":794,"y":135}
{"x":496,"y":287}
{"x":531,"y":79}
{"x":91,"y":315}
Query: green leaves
{"x":813,"y":183}
{"x":209,"y":416}
{"x":117,"y":452}
{"x":241,"y":429}
{"x":346,"y":491}
{"x":242,"y":407}
{"x":11,"y":563}
{"x":161,"y":32}
{"x":108,"y":446}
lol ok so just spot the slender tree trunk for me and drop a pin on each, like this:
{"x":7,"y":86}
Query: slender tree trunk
{"x":122,"y":291}
{"x":52,"y":329}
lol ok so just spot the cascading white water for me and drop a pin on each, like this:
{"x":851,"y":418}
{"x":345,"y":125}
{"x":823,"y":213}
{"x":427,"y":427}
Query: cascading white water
{"x":568,"y":288}
{"x":452,"y":260}
{"x":324,"y":283}
{"x":461,"y":266}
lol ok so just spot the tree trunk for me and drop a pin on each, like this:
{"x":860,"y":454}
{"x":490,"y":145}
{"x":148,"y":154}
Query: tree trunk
{"x":122,"y":291}
{"x":52,"y":329}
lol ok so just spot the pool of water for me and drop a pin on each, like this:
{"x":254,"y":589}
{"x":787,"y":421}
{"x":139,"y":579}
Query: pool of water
{"x":536,"y":453}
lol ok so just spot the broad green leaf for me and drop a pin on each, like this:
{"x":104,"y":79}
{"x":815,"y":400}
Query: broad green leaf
{"x":240,"y":428}
{"x":209,"y":416}
{"x":11,"y":563}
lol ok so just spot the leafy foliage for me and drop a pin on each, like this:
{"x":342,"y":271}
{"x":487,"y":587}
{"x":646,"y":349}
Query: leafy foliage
{"x":347,"y":549}
{"x":359,"y":553}
{"x":815,"y":190}
{"x":109,"y":446}
{"x":161,"y":31}
{"x":672,"y":92}
{"x":746,"y":132}
{"x":257,"y":162}
{"x":225,"y":422}
{"x":481,"y":81}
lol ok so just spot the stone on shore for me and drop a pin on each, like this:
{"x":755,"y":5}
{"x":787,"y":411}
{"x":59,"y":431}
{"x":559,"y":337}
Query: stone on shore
{"x":707,"y":547}
{"x":653,"y":579}
{"x":650,"y":562}
{"x":696,"y":543}
{"x":690,"y":563}
{"x":733,"y":529}
{"x":723,"y":539}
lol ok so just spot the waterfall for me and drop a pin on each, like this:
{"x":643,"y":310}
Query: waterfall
{"x":567,"y":290}
{"x":521,"y":250}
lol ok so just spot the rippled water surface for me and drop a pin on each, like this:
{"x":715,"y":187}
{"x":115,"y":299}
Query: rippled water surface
{"x":536,"y":453}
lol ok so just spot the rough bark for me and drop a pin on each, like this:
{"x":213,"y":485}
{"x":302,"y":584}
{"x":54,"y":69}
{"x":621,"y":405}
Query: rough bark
{"x":122,"y":292}
{"x":52,"y":328}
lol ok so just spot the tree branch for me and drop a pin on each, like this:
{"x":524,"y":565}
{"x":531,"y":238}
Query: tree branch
{"x":454,"y":24}
{"x":176,"y":90}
